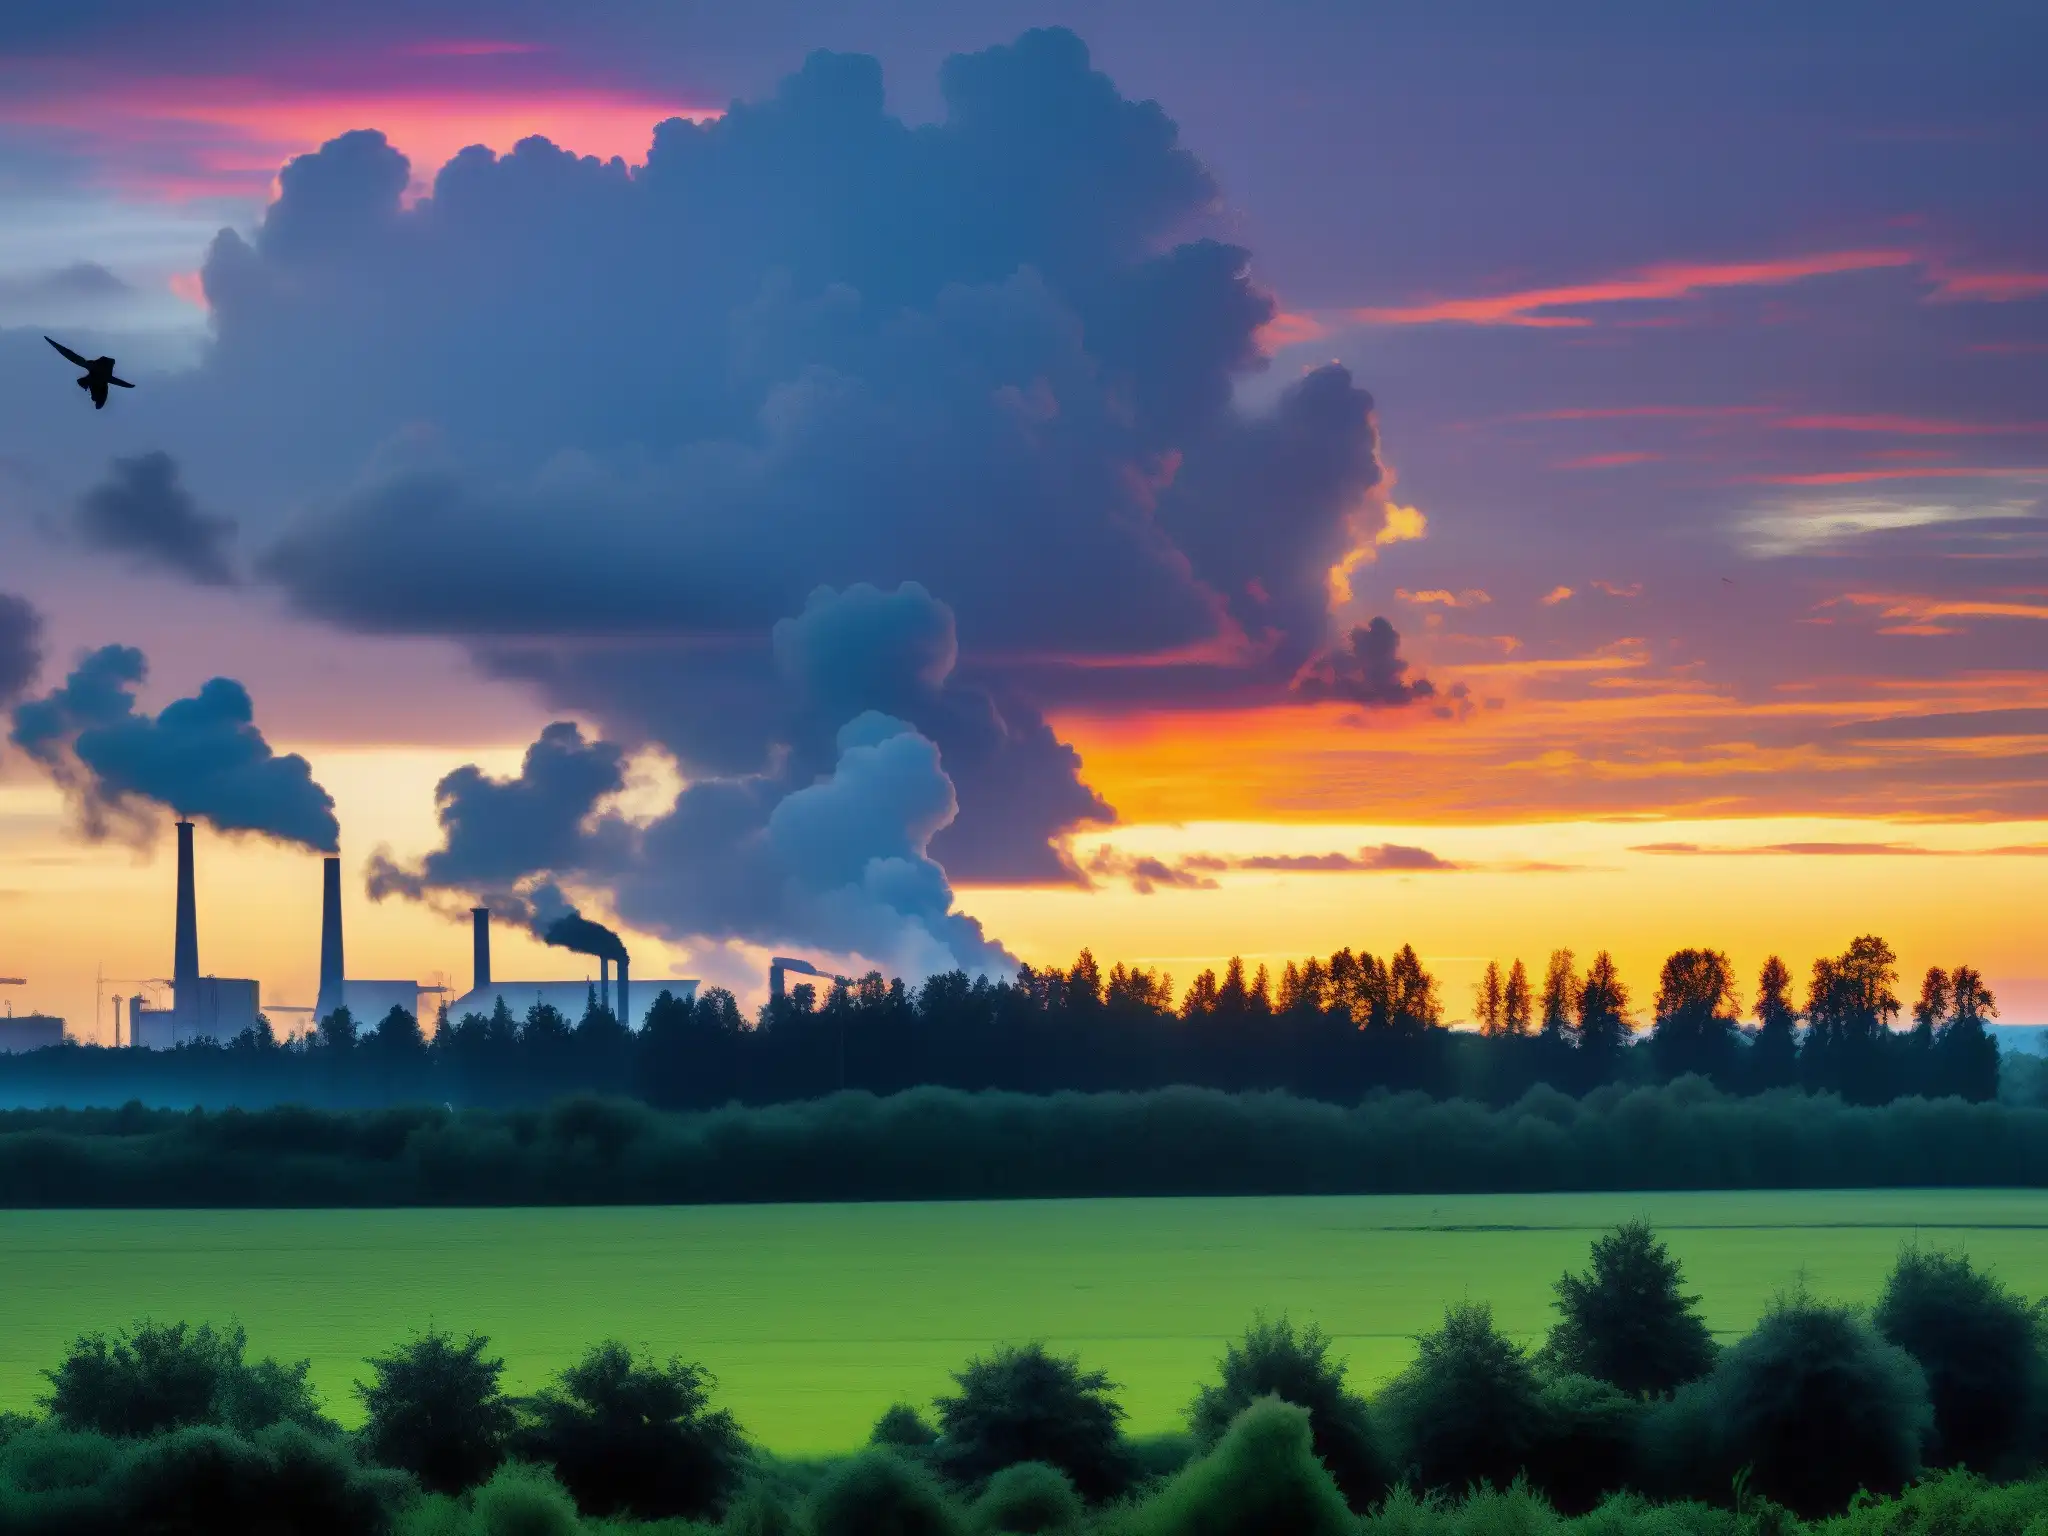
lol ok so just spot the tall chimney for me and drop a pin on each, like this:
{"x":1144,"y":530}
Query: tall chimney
{"x":480,"y":963}
{"x":185,"y":953}
{"x":624,"y":1016}
{"x":331,"y":968}
{"x":604,"y":982}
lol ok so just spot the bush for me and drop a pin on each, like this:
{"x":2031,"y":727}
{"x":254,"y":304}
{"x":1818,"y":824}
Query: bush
{"x":1948,"y":1504}
{"x":435,"y":1411}
{"x":1980,"y":1346}
{"x":760,"y":1511}
{"x":207,"y":1481}
{"x":903,"y":1427}
{"x":1470,"y":1408}
{"x":1586,"y":1446}
{"x":157,"y":1377}
{"x":1275,"y":1361}
{"x":1261,"y":1479}
{"x":878,"y":1493}
{"x":523,"y":1501}
{"x":1022,"y":1404}
{"x":1813,"y":1405}
{"x":1029,"y":1498}
{"x":635,"y":1438}
{"x":1626,"y":1321}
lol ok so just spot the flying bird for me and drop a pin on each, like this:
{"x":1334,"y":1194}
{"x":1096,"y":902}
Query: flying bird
{"x":99,"y":373}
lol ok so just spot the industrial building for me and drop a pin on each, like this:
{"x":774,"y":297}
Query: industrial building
{"x":29,"y":1032}
{"x":202,"y":1007}
{"x":221,"y":1007}
{"x":569,"y":998}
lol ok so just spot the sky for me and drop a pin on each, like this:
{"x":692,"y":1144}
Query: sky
{"x":926,"y":485}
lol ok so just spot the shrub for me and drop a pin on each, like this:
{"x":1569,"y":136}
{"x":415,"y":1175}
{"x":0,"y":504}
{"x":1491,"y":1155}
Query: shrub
{"x":1022,"y":1404}
{"x":1948,"y":1504}
{"x":1275,"y":1361}
{"x":878,"y":1493}
{"x":1626,"y":1321}
{"x":1262,"y":1478}
{"x":523,"y":1501}
{"x":903,"y":1427}
{"x":1586,"y":1445}
{"x":1470,"y":1408}
{"x":166,"y":1376}
{"x":1812,"y":1404}
{"x":205,"y":1481}
{"x":636,"y":1438}
{"x":760,"y":1511}
{"x":435,"y":1411}
{"x":1030,"y":1497}
{"x":1980,"y":1346}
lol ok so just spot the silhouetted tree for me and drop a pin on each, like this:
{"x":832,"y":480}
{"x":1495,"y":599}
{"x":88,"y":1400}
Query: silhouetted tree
{"x":1412,"y":1001}
{"x":1604,"y":1026}
{"x":1774,"y":1055}
{"x":1560,"y":995}
{"x":337,"y":1032}
{"x":1489,"y":1001}
{"x":1965,"y":1056}
{"x":1850,"y":1007}
{"x":1626,"y":1320}
{"x":1515,"y":1001}
{"x":1696,"y":1014}
{"x":435,"y":1410}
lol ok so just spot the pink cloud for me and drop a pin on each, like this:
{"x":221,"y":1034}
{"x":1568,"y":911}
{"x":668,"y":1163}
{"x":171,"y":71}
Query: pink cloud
{"x":1901,"y":472}
{"x":1670,"y":280}
{"x":1911,"y":426}
{"x":228,"y":136}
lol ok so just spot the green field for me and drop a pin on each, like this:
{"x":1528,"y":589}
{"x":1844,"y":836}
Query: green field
{"x":817,"y":1317}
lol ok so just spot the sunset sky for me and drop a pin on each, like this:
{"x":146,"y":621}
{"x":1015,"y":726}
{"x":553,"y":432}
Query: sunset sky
{"x":1212,"y":479}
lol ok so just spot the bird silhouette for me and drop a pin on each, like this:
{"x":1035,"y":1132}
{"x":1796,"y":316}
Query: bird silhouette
{"x":99,"y":373}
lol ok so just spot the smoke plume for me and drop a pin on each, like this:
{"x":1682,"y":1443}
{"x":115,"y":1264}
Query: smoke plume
{"x":201,"y":757}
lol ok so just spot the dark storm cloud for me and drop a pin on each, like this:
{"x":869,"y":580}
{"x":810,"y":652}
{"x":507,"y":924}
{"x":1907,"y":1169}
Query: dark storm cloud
{"x":809,"y":343}
{"x":1366,"y":669}
{"x":202,"y":757}
{"x":143,"y":511}
{"x":21,"y":653}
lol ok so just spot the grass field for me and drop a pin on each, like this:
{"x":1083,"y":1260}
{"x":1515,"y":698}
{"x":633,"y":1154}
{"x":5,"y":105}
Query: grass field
{"x":817,"y":1317}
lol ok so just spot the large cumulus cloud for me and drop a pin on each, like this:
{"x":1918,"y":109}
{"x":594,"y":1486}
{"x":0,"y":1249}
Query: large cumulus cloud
{"x":608,"y":425}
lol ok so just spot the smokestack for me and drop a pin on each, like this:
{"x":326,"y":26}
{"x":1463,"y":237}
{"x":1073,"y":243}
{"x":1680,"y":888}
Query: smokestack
{"x":331,"y":968}
{"x":480,"y":963}
{"x":185,"y":953}
{"x":604,"y":982}
{"x":624,"y":1017}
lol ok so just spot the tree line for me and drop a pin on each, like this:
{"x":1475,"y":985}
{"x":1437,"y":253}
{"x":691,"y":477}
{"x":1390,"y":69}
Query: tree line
{"x":1821,"y":1413}
{"x":941,"y":1144}
{"x":1331,"y":1028}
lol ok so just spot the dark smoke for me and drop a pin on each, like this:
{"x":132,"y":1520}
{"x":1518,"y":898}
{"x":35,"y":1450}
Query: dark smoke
{"x":202,"y":757}
{"x":21,"y":654}
{"x":578,"y":933}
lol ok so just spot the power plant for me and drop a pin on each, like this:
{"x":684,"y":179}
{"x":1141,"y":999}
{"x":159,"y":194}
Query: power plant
{"x":221,"y":1007}
{"x":569,"y":998}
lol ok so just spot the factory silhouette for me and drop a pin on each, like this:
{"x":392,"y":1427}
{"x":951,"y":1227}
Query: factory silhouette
{"x":219,"y":1008}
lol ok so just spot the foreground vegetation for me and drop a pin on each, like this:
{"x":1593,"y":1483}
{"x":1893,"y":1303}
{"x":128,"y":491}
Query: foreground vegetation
{"x":1627,"y":1419}
{"x":935,"y":1144}
{"x":1331,"y":1029}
